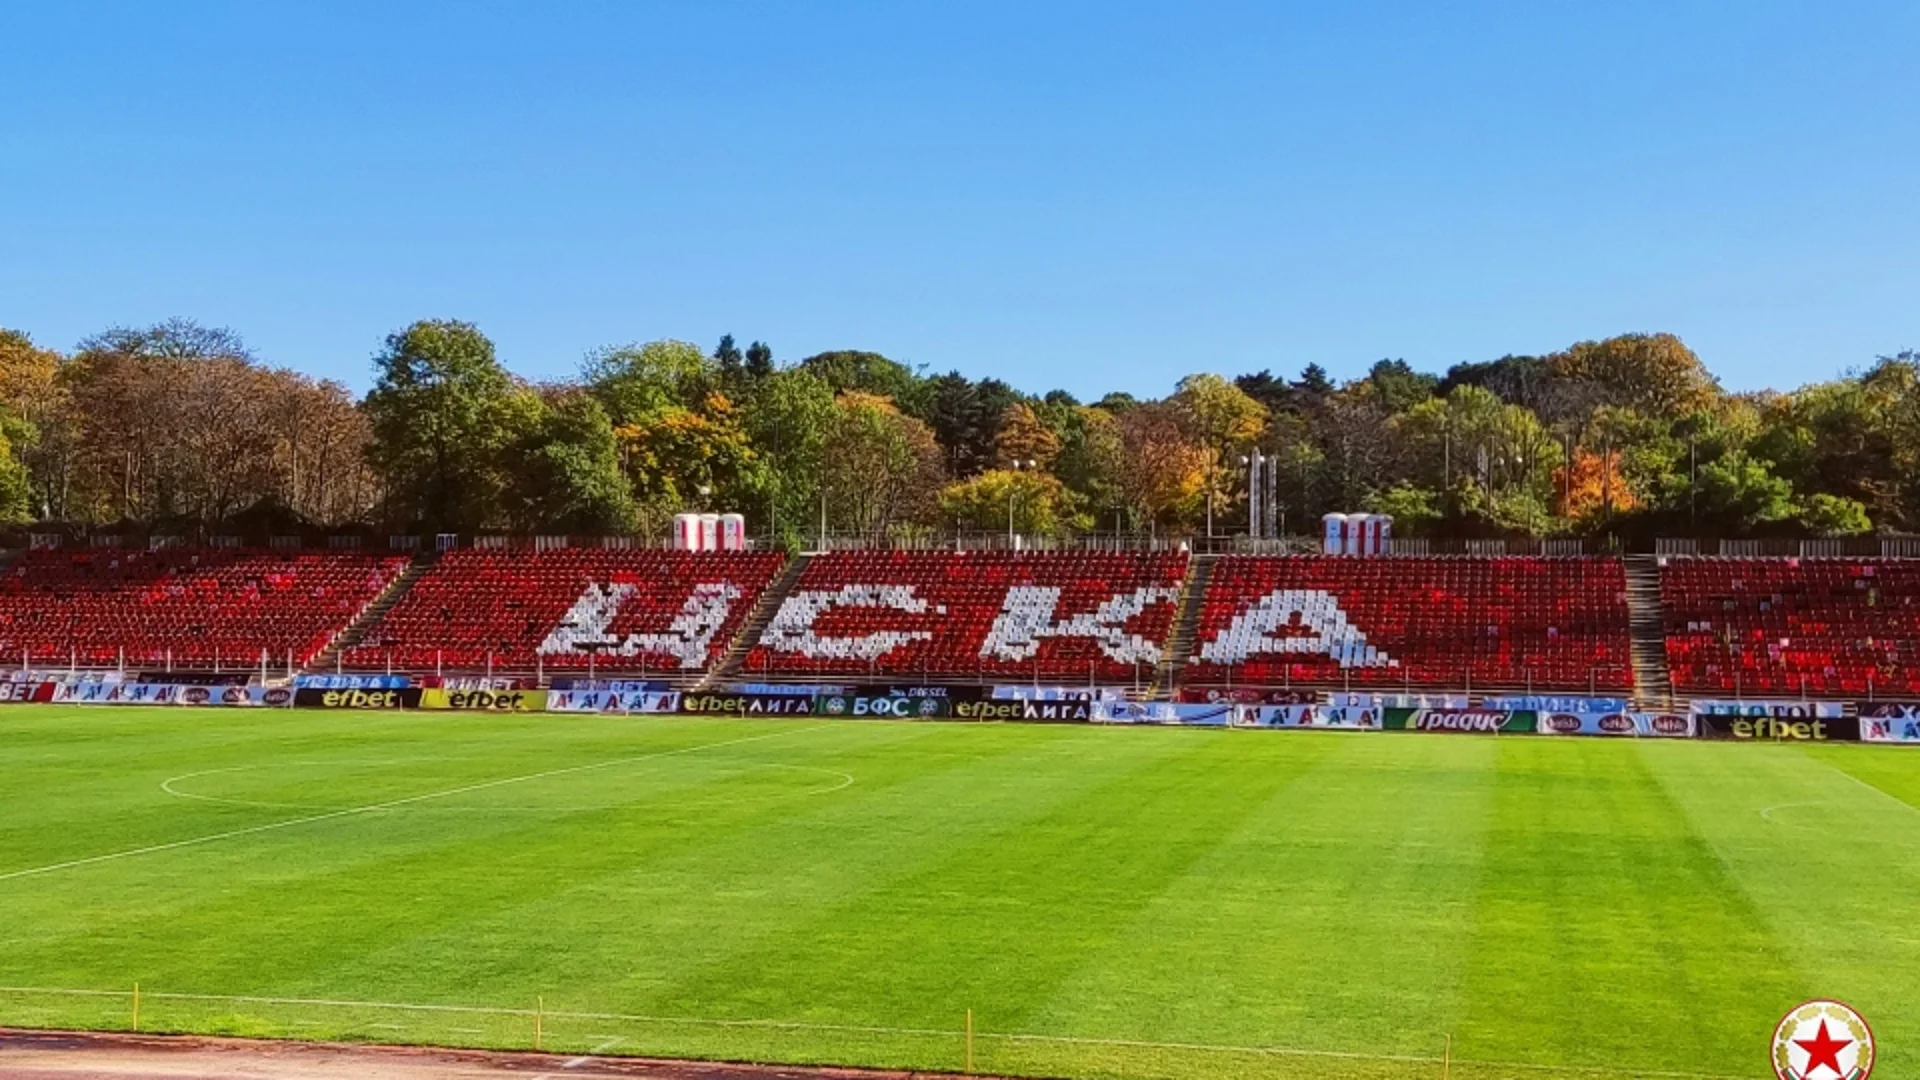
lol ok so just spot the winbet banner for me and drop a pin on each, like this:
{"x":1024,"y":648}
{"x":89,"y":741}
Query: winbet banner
{"x":1162,"y":712}
{"x":435,"y":697}
{"x":1461,"y":721}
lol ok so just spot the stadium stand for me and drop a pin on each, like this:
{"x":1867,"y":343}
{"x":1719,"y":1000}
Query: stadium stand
{"x":569,"y":609}
{"x":1071,"y":616}
{"x":189,"y":607}
{"x":1821,"y":627}
{"x":1452,"y":623}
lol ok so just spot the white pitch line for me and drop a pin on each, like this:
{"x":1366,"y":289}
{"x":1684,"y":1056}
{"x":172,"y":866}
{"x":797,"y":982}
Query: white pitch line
{"x":574,"y":1063}
{"x":376,"y":807}
{"x":791,"y":1025}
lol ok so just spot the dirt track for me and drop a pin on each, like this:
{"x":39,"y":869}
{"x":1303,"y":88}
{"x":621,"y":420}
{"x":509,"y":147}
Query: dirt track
{"x":41,"y":1055}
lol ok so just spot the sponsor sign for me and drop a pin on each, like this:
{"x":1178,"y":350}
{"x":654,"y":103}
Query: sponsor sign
{"x":884,"y":706}
{"x":1792,"y":709}
{"x":1246,"y":695}
{"x":612,"y":701}
{"x":484,"y":700}
{"x":1059,"y":693}
{"x":1822,"y":1040}
{"x":1890,"y":722}
{"x":27,"y":691}
{"x":1399,"y":701}
{"x":1644,"y":724}
{"x":1460,"y":721}
{"x":1162,"y":712}
{"x":748,"y":704}
{"x":1544,"y":703}
{"x":1331,"y":717}
{"x":393,"y":698}
{"x":1045,"y":712}
{"x":352,"y":682}
{"x":1779,"y":728}
{"x":621,"y":685}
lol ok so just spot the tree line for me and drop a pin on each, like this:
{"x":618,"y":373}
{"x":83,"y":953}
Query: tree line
{"x":180,"y":429}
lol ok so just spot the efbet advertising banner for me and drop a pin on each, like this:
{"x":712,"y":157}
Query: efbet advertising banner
{"x":1779,"y":728}
{"x":1651,"y":725}
{"x":1461,"y":721}
{"x":710,"y":704}
{"x":612,"y":701}
{"x":484,"y":700}
{"x":1162,"y":712}
{"x":1890,"y":722}
{"x":885,"y":706}
{"x":406,"y":698}
{"x":1325,"y":717}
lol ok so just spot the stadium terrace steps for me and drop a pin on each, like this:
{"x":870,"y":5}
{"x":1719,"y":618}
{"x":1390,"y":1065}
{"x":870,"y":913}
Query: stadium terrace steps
{"x":1646,"y":616}
{"x":1186,"y":627}
{"x":370,"y":616}
{"x":749,"y":636}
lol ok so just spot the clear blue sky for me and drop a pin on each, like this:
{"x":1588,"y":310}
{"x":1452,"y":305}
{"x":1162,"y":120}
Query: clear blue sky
{"x":1085,"y":195}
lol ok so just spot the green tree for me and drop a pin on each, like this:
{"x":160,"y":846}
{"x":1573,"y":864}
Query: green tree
{"x":1740,"y":492}
{"x":869,"y":373}
{"x":881,"y":468}
{"x":636,"y":384}
{"x":791,"y":414}
{"x":1655,"y":374}
{"x":443,"y":413}
{"x":566,"y":474}
{"x":1036,"y":503}
{"x":1832,"y":515}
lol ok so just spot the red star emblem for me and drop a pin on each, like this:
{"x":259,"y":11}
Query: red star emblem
{"x":1823,"y":1049}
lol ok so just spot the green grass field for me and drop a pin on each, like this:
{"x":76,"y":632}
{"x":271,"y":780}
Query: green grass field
{"x":1108,"y":902}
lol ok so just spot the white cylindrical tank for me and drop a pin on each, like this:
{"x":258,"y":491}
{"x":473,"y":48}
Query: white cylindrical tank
{"x":709,"y":532}
{"x":733,"y":532}
{"x":686,"y":532}
{"x":1357,"y":528}
{"x":1335,"y":537}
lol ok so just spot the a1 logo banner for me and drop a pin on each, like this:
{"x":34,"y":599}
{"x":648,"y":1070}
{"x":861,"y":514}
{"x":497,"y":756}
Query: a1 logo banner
{"x":1890,"y":722}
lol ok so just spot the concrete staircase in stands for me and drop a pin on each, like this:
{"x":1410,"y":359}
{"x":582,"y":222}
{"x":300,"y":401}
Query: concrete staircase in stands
{"x":1651,"y":679}
{"x":371,"y":615}
{"x":1186,"y":624}
{"x":763,"y":611}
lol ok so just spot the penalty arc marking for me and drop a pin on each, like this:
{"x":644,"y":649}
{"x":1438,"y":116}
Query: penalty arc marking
{"x":390,"y":804}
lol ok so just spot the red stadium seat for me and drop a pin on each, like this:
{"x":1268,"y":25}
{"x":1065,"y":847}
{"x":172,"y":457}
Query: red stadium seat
{"x":192,"y":607}
{"x":1069,"y":616}
{"x":571,"y":609}
{"x":1820,"y":627}
{"x":1443,"y":623}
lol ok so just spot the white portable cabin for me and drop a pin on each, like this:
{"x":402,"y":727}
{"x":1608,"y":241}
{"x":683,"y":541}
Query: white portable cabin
{"x":686,"y":532}
{"x":709,"y":532}
{"x":733,"y":532}
{"x":1334,"y":539}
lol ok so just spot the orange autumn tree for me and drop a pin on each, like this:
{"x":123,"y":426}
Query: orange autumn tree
{"x":1595,"y":482}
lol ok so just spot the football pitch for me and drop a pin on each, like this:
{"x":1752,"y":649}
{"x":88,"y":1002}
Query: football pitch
{"x":1106,"y":902}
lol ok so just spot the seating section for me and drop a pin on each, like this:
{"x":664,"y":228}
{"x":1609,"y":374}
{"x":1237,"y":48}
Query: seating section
{"x":1446,"y":623}
{"x":1821,"y":627}
{"x":1063,"y":617}
{"x":193,"y":607}
{"x":573,"y":609}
